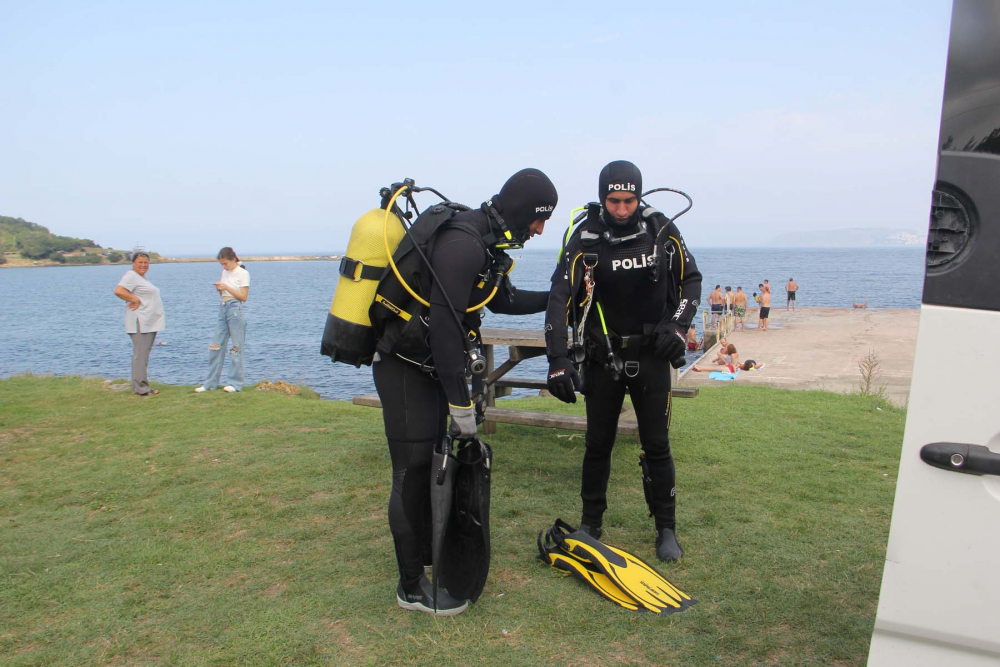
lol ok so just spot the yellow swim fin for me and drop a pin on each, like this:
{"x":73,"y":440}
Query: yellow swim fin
{"x":629,"y":573}
{"x":597,"y":581}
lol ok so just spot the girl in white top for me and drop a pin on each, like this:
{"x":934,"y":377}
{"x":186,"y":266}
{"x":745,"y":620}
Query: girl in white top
{"x":233,"y":288}
{"x":144,"y":317}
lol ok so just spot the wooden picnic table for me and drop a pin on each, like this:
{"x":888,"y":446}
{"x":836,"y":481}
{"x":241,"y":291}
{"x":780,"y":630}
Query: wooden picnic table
{"x":525,"y":344}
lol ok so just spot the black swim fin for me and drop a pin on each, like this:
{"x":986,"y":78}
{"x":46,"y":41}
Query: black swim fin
{"x":630,"y":574}
{"x":464,"y":561}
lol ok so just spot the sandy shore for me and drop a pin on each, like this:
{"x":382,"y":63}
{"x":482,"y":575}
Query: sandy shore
{"x":819,"y":348}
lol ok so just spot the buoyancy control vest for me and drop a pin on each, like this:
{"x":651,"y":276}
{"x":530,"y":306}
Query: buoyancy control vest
{"x":399,"y":316}
{"x":648,"y":282}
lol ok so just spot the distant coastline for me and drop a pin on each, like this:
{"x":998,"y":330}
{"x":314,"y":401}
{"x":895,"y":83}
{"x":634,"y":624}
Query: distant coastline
{"x":885,"y":237}
{"x":16,"y":262}
{"x":256,"y":258}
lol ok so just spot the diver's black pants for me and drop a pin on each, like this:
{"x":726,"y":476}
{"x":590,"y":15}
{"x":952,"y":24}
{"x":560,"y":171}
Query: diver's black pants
{"x":414,"y":409}
{"x":650,"y":392}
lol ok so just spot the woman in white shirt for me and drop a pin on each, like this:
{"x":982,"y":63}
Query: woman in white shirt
{"x":233,"y":288}
{"x":144,"y":317}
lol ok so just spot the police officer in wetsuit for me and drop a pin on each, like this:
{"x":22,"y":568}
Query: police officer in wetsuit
{"x":633,"y":327}
{"x":420,"y":372}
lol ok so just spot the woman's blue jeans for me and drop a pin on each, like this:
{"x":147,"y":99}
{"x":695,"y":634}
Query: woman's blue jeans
{"x":232,"y":323}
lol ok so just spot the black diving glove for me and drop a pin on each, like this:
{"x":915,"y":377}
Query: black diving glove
{"x":563,"y":380}
{"x":670,"y":342}
{"x":463,"y":422}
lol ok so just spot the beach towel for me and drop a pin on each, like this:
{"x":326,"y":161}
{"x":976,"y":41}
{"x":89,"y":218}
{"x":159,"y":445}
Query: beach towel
{"x":723,"y":376}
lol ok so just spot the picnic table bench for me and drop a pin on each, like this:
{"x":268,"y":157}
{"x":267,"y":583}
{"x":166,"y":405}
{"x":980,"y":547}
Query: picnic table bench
{"x":523,"y":344}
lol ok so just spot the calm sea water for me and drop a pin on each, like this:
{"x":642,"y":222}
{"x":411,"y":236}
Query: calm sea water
{"x":67,"y":321}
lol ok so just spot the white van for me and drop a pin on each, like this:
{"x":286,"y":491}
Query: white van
{"x":940,"y":599}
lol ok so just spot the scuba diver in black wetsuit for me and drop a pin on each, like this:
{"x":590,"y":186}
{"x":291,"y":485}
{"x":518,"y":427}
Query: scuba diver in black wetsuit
{"x":629,"y":305}
{"x":421,"y":366}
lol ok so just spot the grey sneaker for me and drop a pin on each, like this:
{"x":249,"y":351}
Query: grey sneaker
{"x":422,"y":599}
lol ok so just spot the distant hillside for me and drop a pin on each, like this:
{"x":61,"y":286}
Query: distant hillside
{"x":24,"y":243}
{"x":851,"y":238}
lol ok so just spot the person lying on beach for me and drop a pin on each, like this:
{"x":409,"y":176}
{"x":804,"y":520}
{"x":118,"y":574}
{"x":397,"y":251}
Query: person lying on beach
{"x":731,"y":361}
{"x":726,"y":357}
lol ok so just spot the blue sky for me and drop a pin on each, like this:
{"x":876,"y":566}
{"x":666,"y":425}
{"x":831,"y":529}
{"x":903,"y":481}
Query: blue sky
{"x":188,"y":126}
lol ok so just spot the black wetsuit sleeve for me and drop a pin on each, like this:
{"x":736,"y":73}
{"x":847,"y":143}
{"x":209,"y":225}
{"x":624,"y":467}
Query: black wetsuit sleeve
{"x":512,"y":301}
{"x":687,"y":277}
{"x":557,"y":311}
{"x":458,"y":260}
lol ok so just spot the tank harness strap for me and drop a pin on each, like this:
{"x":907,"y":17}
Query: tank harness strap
{"x":357,"y":270}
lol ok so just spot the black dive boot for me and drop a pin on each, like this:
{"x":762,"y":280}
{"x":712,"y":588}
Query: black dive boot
{"x":591,"y":529}
{"x":422,"y":599}
{"x":667,"y":547}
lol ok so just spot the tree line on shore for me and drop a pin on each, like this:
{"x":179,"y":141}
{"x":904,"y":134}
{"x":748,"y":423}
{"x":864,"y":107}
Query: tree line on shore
{"x":35,"y":242}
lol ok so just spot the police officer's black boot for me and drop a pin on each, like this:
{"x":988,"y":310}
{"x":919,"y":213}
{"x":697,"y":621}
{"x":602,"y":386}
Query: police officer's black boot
{"x":668,"y":549}
{"x":591,"y":527}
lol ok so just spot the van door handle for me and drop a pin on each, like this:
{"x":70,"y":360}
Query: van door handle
{"x":970,"y":459}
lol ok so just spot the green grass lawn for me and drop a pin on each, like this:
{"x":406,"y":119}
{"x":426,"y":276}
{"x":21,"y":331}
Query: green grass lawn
{"x":250,"y":529}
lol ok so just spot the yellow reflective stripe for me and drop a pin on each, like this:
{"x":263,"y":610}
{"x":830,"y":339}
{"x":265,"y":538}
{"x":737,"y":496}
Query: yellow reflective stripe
{"x":461,"y":407}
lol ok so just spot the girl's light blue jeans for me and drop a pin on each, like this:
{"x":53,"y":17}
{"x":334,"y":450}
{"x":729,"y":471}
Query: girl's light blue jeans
{"x":232,"y":323}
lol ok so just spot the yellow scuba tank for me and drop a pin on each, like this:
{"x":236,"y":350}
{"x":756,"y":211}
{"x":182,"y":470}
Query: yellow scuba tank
{"x":349,"y":337}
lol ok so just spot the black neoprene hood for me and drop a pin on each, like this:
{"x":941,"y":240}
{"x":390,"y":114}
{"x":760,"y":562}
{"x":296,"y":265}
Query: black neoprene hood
{"x":527,"y":196}
{"x":620,"y":176}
